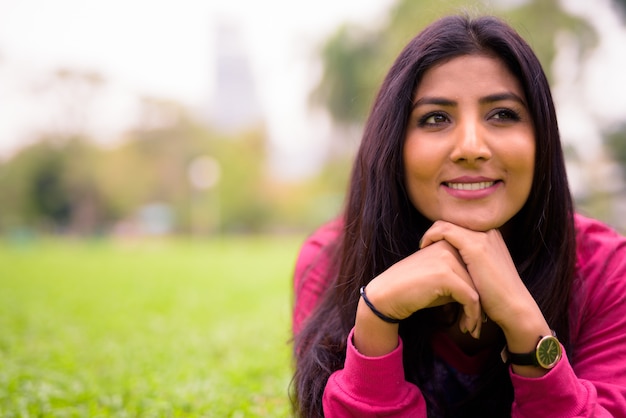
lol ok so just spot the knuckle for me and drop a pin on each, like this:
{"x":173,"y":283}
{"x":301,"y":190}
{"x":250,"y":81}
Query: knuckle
{"x":474,"y":298}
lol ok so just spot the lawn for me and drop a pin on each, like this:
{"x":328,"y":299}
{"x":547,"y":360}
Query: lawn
{"x":168,"y":328}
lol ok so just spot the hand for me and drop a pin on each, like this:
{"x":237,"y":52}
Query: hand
{"x":433,"y":276}
{"x":503,"y":295}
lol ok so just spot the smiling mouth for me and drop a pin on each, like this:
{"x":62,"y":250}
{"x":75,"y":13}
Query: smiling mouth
{"x":471,"y":186}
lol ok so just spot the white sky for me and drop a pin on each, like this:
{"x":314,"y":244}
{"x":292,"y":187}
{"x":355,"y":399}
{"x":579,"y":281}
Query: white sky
{"x":162,"y":48}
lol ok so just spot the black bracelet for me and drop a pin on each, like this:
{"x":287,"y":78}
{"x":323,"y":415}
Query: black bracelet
{"x":378,"y":314}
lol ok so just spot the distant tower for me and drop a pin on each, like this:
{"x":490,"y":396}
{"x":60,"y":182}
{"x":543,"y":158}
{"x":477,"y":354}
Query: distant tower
{"x":234,"y":104}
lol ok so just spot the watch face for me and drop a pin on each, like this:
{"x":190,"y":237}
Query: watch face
{"x":548,"y":352}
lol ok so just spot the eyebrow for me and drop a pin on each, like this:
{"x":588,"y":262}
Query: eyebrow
{"x":492,"y":98}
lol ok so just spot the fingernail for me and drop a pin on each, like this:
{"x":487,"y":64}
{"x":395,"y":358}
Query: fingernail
{"x":476,"y":334}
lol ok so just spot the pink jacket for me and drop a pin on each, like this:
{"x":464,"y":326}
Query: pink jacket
{"x":592,"y":383}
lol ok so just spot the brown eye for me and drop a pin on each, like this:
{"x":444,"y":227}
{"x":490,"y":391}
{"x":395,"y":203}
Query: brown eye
{"x":433,"y":119}
{"x":505,"y":115}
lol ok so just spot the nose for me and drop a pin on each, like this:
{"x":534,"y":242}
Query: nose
{"x":470,"y":145}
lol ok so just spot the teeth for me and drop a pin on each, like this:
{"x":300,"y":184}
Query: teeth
{"x":471,"y":186}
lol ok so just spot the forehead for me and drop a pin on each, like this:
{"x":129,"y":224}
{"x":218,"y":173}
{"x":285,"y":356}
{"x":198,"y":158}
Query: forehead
{"x":477,"y":74}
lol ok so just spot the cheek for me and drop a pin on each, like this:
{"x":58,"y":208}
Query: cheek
{"x":522,"y":163}
{"x":421,"y":168}
{"x":526,"y":156}
{"x":422,"y":160}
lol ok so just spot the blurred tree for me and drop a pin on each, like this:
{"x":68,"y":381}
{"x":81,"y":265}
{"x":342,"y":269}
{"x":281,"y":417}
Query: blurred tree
{"x":616,"y":142}
{"x":89,"y":210}
{"x":349,"y":79}
{"x":50,"y":185}
{"x":48,"y":194}
{"x":71,"y":185}
{"x":149,"y":165}
{"x":244,"y":190}
{"x":52,"y":182}
{"x":308,"y":203}
{"x":157,"y":155}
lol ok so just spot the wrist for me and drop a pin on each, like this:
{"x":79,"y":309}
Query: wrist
{"x":372,"y":336}
{"x":523,"y":329}
{"x":524,"y":340}
{"x":375,"y":311}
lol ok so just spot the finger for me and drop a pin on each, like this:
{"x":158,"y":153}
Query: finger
{"x":431,"y":237}
{"x":471,"y":319}
{"x":464,"y":292}
{"x":446,"y":231}
{"x":477,"y":326}
{"x":457,"y":285}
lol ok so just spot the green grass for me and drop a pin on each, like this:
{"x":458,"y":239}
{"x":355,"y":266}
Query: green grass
{"x":152,"y":329}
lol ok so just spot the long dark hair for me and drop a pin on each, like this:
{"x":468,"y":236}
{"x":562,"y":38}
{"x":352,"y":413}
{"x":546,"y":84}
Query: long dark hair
{"x":381,"y":226}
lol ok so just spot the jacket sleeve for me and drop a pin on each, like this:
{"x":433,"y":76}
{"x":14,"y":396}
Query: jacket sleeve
{"x":312,"y":275}
{"x":372,"y":387}
{"x":592,"y":382}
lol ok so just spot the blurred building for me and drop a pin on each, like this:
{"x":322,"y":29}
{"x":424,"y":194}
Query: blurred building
{"x":234,"y":103}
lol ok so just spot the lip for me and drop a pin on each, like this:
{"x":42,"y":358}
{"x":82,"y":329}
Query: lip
{"x":471,"y":187}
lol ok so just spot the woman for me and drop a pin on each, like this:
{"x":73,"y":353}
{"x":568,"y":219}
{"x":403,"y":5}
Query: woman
{"x":459,"y":281}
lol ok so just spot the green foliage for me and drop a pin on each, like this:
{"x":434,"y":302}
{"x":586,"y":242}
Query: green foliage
{"x":306,"y":204}
{"x":151,"y":166}
{"x":243,"y":190}
{"x":616,"y":142}
{"x":47,"y":194}
{"x":146,"y":329}
{"x":51,"y":184}
{"x":349,"y":79}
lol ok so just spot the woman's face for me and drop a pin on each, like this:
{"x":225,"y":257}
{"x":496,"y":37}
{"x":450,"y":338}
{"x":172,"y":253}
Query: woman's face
{"x":469,"y":151}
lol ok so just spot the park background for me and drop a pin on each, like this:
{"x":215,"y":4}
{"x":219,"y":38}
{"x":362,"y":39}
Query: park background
{"x":161,"y":162}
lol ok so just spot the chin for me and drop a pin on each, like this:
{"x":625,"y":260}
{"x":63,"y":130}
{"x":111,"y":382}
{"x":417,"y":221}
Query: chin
{"x":478,"y":225}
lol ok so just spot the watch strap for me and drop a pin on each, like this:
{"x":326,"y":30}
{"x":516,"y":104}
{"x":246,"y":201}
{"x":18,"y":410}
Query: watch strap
{"x":522,"y":359}
{"x":532,"y":358}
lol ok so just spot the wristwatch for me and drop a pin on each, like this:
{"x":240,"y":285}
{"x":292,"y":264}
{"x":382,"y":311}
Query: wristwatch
{"x":546,"y":354}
